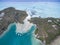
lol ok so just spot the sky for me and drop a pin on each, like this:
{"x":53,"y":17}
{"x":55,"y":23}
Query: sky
{"x":45,"y":9}
{"x":30,"y":0}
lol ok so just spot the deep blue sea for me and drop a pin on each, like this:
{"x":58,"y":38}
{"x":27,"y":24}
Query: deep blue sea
{"x":11,"y":38}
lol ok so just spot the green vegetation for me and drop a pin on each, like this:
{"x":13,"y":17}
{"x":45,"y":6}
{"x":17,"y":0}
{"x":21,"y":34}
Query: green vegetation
{"x":36,"y":31}
{"x":47,"y":28}
{"x":11,"y":15}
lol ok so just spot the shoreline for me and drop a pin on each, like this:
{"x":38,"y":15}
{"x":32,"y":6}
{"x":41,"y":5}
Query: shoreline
{"x":9,"y":26}
{"x":56,"y":41}
{"x":25,"y":28}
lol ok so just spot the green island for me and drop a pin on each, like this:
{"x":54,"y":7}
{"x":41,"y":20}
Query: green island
{"x":47,"y":28}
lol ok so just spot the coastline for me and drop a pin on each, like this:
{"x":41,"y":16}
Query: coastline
{"x":22,"y":28}
{"x":56,"y":41}
{"x":9,"y":26}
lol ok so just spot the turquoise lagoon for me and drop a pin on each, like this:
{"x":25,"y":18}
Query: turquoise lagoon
{"x":11,"y":38}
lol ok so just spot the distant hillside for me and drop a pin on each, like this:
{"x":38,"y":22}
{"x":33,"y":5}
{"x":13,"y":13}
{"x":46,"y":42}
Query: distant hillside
{"x":47,"y":28}
{"x":10,"y":15}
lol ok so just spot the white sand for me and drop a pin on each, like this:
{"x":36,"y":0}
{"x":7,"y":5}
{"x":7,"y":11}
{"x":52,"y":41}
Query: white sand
{"x":23,"y":28}
{"x":56,"y":41}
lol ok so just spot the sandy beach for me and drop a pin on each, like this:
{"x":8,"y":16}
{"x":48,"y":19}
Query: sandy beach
{"x":23,"y":28}
{"x":56,"y":41}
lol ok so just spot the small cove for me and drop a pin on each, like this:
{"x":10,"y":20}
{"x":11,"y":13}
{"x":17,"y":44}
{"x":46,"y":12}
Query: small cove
{"x":11,"y":38}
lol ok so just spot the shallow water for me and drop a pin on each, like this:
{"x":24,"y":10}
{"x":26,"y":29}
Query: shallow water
{"x":11,"y":38}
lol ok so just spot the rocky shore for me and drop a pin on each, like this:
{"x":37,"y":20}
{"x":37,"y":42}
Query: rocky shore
{"x":10,"y":15}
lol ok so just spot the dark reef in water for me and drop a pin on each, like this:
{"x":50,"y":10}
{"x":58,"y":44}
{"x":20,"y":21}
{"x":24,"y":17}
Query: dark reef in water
{"x":10,"y":15}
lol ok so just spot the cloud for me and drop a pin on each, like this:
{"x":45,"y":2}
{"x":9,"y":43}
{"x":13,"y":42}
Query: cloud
{"x":29,"y":0}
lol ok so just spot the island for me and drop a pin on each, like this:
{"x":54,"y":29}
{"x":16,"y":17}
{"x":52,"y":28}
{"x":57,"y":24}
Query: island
{"x":45,"y":30}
